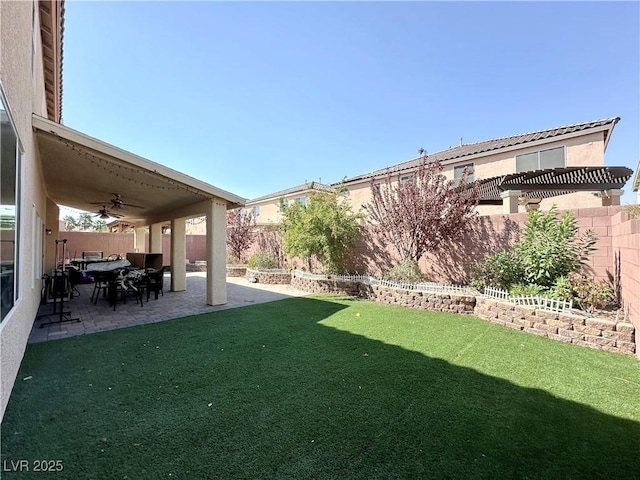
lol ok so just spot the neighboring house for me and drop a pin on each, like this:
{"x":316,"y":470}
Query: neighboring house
{"x":582,"y":144}
{"x":266,"y":209}
{"x":45,"y":164}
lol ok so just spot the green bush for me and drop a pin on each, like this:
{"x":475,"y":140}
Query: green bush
{"x":262,"y":261}
{"x":547,"y":248}
{"x":499,"y":270}
{"x":562,"y":289}
{"x":406,"y":271}
{"x":526,"y":290}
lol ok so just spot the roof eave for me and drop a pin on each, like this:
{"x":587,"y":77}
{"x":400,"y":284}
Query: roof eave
{"x":51,"y":13}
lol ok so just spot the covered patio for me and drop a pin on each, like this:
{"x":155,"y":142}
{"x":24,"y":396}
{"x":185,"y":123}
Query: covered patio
{"x":87,"y":174}
{"x":88,"y":317}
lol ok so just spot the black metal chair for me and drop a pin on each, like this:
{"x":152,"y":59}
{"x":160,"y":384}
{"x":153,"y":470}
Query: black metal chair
{"x":154,"y":282}
{"x":122,"y":285}
{"x":101,"y":284}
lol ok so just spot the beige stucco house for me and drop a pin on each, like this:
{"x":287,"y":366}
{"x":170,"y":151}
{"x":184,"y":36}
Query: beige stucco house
{"x":266,"y":208}
{"x":582,"y":144}
{"x":46,"y":164}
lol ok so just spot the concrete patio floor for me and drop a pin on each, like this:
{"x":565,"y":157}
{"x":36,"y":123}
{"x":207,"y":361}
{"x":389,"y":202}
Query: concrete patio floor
{"x":101,"y":316}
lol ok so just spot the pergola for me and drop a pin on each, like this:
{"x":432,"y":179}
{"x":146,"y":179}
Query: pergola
{"x":532,"y":187}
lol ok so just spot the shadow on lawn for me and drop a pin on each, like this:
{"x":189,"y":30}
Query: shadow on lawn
{"x":272,"y":391}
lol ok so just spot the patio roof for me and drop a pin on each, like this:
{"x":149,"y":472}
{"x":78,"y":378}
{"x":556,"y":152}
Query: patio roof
{"x":540,"y":184}
{"x":83,"y":172}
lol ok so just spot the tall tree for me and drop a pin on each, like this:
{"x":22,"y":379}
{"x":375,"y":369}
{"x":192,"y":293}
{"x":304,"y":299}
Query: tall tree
{"x":100,"y":226}
{"x":85,"y":221}
{"x":241,"y":226}
{"x":422,"y":213}
{"x":324,"y":227}
{"x":70,"y":222}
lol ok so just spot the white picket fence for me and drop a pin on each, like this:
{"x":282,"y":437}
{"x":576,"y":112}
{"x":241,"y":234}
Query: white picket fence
{"x":369,"y":280}
{"x":535,"y":301}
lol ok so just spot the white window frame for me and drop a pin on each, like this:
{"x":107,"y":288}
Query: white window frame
{"x":538,"y":152}
{"x":469,"y":177}
{"x":19,"y":155}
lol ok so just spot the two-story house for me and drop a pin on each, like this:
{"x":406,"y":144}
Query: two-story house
{"x":578,"y":145}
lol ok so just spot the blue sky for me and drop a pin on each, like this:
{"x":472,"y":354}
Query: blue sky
{"x":256,"y":97}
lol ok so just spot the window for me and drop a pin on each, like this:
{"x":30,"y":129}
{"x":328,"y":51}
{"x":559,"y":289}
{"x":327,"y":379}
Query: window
{"x":283,"y":203}
{"x":463,"y":172}
{"x":9,"y":210}
{"x":256,"y":210}
{"x":540,"y":160}
{"x":302,"y":200}
{"x":405,"y":178}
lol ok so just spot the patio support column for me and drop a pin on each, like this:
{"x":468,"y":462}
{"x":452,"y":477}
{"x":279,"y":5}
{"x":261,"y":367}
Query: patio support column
{"x":611,"y":197}
{"x":510,"y":200}
{"x":178,"y":255}
{"x":155,"y":238}
{"x":139,"y":241}
{"x":217,"y":253}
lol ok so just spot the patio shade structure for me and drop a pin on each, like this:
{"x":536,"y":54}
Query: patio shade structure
{"x":80,"y":171}
{"x":537,"y":185}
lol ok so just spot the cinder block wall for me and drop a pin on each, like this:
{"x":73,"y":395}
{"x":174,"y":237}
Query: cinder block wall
{"x":625,"y":239}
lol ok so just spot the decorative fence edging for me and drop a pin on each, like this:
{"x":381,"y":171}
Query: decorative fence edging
{"x":536,"y":301}
{"x":560,"y":326}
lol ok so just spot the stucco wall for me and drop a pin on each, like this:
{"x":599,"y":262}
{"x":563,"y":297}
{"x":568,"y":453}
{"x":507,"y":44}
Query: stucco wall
{"x":17,"y":84}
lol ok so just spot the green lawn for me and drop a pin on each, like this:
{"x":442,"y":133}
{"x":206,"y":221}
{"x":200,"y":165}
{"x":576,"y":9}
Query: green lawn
{"x":324,"y":387}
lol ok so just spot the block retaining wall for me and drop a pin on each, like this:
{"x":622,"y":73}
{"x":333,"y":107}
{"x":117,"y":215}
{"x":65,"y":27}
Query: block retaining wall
{"x":236,"y":270}
{"x":269,"y":277}
{"x":564,"y":327}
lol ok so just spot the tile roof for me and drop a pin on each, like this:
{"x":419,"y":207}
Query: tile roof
{"x":321,"y":187}
{"x":466,"y":150}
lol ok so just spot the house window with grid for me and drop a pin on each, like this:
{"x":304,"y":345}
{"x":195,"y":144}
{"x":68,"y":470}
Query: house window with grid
{"x":463,"y":172}
{"x":302,"y":200}
{"x":406,"y":178}
{"x":256,"y":210}
{"x":283,"y":203}
{"x":10,"y":156}
{"x":541,"y":160}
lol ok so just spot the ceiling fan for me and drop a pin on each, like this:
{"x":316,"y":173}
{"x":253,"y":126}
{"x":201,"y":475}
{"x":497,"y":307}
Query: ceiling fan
{"x":103,"y":213}
{"x":116,"y":203}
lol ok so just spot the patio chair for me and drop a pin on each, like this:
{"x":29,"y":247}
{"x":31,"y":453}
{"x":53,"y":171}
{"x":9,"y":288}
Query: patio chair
{"x":101,"y":284}
{"x":154,"y":282}
{"x":122,"y":285}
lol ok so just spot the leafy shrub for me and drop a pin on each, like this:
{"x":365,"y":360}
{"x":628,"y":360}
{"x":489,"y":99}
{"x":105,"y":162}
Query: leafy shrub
{"x":549,"y":247}
{"x":262,"y":261}
{"x":406,"y":271}
{"x":526,"y":290}
{"x":591,"y":294}
{"x":562,"y":289}
{"x":499,"y":270}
